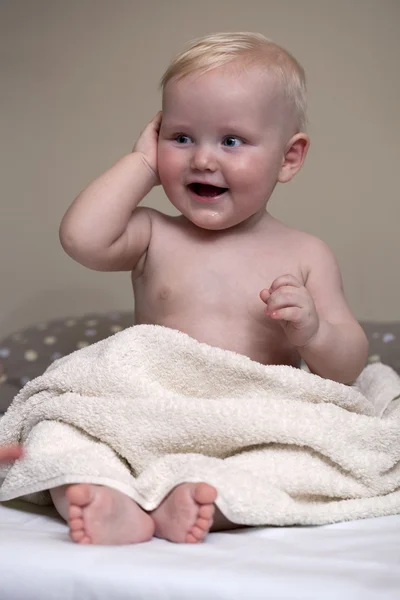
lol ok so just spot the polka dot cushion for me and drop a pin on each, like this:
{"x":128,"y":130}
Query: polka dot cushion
{"x":384,"y":343}
{"x":26,"y":354}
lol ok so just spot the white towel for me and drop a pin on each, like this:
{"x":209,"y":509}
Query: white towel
{"x":150,"y":407}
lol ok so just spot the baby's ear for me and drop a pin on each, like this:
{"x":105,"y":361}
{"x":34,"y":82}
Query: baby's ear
{"x":296,"y":151}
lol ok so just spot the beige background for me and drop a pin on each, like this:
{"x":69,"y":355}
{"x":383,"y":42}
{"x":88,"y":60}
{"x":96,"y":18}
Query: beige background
{"x":79,"y":80}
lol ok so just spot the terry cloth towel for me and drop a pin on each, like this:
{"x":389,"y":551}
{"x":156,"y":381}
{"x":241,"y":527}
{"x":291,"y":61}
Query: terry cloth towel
{"x":150,"y":407}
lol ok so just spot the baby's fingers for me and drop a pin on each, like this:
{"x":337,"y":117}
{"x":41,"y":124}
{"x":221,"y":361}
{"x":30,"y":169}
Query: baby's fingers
{"x":10,"y":453}
{"x":285,"y":280}
{"x":149,"y":135}
{"x":292,"y":314}
{"x":156,"y":122}
{"x":285,"y":297}
{"x":265,"y":295}
{"x":153,"y":127}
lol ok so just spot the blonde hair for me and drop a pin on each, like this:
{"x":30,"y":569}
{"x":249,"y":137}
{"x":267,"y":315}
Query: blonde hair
{"x":216,"y":50}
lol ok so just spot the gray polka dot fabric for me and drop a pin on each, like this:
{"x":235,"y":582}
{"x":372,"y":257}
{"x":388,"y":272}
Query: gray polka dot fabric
{"x":26,"y":354}
{"x":384,"y":343}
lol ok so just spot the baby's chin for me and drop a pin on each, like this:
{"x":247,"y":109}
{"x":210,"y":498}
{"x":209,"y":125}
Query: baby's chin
{"x":209,"y":220}
{"x":218,"y":222}
{"x":217,"y":218}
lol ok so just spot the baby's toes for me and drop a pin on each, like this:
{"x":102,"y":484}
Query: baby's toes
{"x":198,"y":533}
{"x":74,"y":512}
{"x":204,"y":524}
{"x":206,"y":511}
{"x":76,"y":524}
{"x":85,"y":540}
{"x":77,"y":531}
{"x":199,"y":530}
{"x":79,"y":536}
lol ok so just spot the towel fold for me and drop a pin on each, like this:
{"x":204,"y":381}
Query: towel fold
{"x":150,"y":407}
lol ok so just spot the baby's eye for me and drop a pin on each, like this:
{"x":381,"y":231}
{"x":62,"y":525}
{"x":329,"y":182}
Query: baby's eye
{"x":232,"y":142}
{"x":183,"y":139}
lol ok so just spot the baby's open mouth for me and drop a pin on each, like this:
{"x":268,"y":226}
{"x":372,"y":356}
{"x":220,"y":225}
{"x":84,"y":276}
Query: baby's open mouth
{"x":205,"y":190}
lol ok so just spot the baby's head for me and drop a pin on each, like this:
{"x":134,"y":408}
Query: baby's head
{"x":242,"y":51}
{"x":233,"y":117}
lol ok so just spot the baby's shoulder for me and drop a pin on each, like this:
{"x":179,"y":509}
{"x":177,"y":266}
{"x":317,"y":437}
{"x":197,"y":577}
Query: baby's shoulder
{"x":303,"y":241}
{"x":311,"y":253}
{"x":162,"y":221}
{"x":318,"y":263}
{"x":310,"y":244}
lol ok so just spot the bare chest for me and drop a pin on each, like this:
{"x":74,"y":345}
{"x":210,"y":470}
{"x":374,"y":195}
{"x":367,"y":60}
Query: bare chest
{"x":210,"y":287}
{"x":221,"y":277}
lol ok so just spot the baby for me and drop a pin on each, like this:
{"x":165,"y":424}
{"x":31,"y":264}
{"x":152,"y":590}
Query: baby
{"x":224,"y":271}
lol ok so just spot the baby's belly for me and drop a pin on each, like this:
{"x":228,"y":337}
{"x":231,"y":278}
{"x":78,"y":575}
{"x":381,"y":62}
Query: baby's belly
{"x":262,"y":342}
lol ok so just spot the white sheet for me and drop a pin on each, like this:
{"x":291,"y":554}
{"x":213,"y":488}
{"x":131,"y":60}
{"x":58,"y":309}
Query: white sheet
{"x":358,"y":560}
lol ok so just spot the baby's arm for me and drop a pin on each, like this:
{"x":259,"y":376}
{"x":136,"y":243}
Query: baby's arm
{"x":317,"y":319}
{"x":101,"y":229}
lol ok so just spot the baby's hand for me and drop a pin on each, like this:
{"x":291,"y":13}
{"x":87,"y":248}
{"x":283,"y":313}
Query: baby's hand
{"x":10,"y":453}
{"x":147,"y":144}
{"x":290,"y":303}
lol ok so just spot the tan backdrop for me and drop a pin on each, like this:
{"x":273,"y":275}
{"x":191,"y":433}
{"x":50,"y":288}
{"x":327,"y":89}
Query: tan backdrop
{"x":79,"y":79}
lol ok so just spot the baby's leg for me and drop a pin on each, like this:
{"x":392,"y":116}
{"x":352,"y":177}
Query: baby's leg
{"x":187,"y":514}
{"x":101,"y":515}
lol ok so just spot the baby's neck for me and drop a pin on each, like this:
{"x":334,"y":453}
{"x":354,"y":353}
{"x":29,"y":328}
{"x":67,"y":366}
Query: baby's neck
{"x":254,"y":223}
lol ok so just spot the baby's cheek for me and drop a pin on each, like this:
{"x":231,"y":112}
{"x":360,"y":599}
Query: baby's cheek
{"x":247,"y":167}
{"x":168,"y":166}
{"x":170,"y":178}
{"x":167,"y":179}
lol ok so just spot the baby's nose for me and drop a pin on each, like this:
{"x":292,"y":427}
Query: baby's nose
{"x":204,"y":159}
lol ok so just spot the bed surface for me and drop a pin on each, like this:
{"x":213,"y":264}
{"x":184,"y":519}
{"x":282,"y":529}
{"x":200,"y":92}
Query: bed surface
{"x":346,"y":561}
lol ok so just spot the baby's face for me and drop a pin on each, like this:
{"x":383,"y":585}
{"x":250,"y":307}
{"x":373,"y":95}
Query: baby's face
{"x":221,"y":145}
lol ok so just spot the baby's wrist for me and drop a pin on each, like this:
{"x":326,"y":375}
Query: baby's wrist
{"x":312,"y":339}
{"x":151,"y":172}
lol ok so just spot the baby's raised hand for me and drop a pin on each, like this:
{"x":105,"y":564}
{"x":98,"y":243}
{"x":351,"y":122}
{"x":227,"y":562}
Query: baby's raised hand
{"x":147,"y":144}
{"x":290,"y":303}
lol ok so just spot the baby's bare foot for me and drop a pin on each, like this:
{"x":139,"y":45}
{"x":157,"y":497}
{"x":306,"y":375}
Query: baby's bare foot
{"x":186,"y":514}
{"x":101,"y":515}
